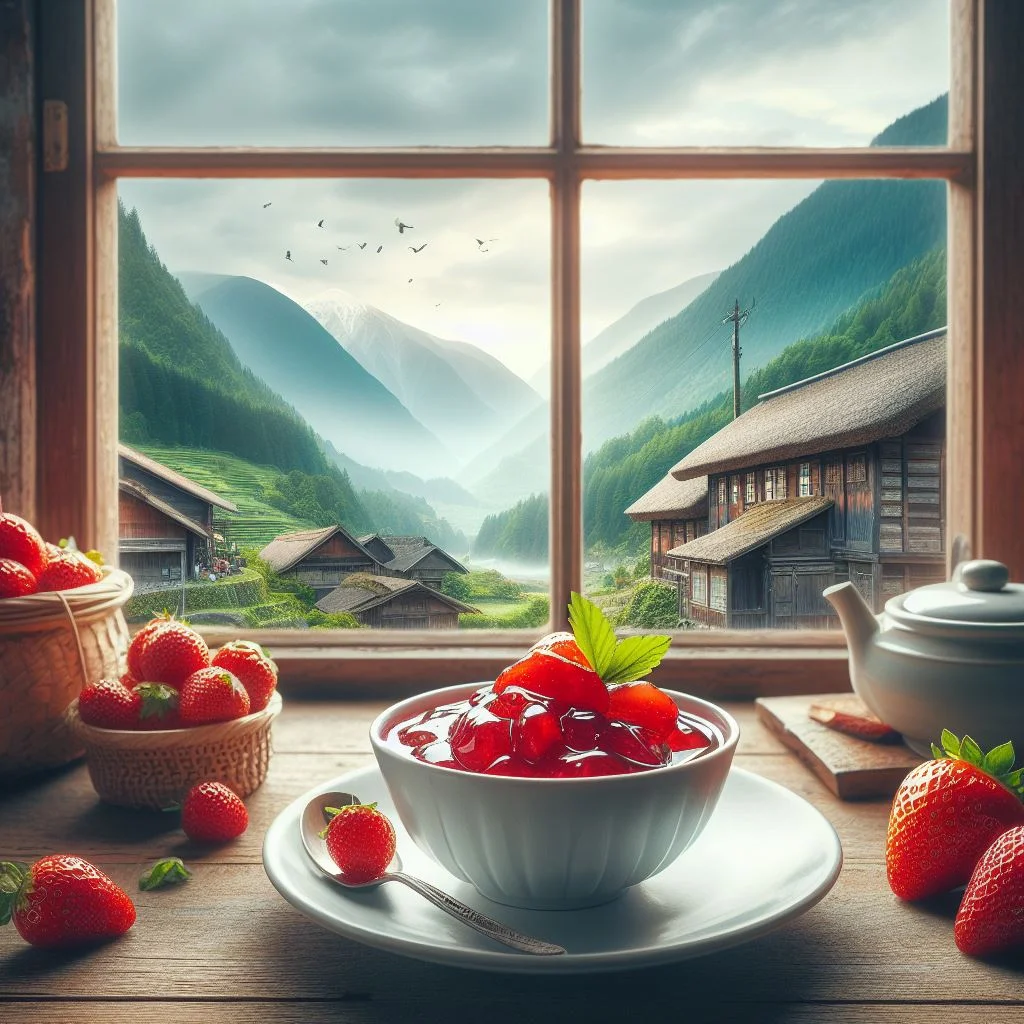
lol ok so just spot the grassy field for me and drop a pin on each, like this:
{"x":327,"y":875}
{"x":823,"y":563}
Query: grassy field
{"x":496,"y":606}
{"x":257,"y":523}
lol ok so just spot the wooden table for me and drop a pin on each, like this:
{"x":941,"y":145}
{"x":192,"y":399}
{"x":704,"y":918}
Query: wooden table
{"x":226,"y":948}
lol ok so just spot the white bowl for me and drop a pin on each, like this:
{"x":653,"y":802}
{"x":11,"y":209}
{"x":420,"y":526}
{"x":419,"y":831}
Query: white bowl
{"x":553,"y":844}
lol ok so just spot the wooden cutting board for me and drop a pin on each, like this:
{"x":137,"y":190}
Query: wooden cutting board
{"x":853,"y":769}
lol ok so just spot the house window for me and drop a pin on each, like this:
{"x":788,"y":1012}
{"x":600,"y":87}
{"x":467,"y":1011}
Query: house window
{"x":751,"y":495}
{"x":699,"y":585}
{"x":735,"y":490}
{"x":805,"y":479}
{"x":774,"y":484}
{"x":721,"y":493}
{"x":719,"y":586}
{"x":564,"y":164}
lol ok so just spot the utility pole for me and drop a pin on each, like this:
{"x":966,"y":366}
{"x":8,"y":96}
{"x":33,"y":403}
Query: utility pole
{"x":737,"y":318}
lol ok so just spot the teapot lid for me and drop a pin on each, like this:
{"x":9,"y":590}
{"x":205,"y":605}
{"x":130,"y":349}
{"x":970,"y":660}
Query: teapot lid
{"x":979,"y":594}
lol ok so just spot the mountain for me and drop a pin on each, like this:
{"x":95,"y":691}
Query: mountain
{"x":816,"y":261}
{"x":623,"y":333}
{"x":462,"y":394}
{"x":280,"y":342}
{"x":181,"y":383}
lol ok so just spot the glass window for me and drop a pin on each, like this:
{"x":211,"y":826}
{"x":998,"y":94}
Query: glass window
{"x":751,"y":495}
{"x":805,"y":479}
{"x":735,"y":490}
{"x":699,"y":585}
{"x":719,"y":585}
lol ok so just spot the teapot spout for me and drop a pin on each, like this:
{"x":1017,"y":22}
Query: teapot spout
{"x":859,"y":624}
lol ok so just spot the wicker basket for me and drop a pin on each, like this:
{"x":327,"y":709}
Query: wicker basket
{"x":51,"y":645}
{"x":156,"y":769}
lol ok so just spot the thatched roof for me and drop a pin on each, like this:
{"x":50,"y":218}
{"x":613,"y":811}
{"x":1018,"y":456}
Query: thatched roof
{"x":406,"y":551}
{"x":288,"y":549}
{"x":360,"y":592}
{"x":181,"y":482}
{"x":136,"y":490}
{"x":881,"y":395}
{"x":670,"y":498}
{"x":758,"y":525}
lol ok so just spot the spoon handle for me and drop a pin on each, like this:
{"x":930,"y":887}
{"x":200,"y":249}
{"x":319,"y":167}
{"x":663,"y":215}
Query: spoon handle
{"x":480,"y":922}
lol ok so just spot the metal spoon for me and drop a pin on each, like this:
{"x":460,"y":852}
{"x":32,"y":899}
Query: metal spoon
{"x":314,"y":818}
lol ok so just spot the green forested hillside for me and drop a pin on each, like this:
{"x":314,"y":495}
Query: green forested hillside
{"x":912,"y":301}
{"x":182,"y":384}
{"x":817,"y":260}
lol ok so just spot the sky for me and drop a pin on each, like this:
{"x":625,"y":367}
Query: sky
{"x":466,"y":72}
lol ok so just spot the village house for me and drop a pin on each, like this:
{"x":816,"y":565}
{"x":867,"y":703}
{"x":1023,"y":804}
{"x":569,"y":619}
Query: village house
{"x":165,"y":521}
{"x":414,"y":558}
{"x":836,"y":477}
{"x":678,"y":512}
{"x":320,"y":558}
{"x":389,"y":602}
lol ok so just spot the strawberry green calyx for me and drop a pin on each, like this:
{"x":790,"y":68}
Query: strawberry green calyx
{"x":169,"y":871}
{"x":998,"y":762}
{"x":14,"y":880}
{"x":158,"y":699}
{"x":335,"y":811}
{"x":614,"y":660}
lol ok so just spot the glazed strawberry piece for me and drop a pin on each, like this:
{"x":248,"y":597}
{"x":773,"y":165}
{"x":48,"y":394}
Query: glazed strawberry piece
{"x":588,"y":765}
{"x":645,"y":705}
{"x":479,"y":738}
{"x":536,"y":732}
{"x":635,"y":744}
{"x":550,"y":675}
{"x":565,"y":646}
{"x":685,"y":737}
{"x":581,"y":729}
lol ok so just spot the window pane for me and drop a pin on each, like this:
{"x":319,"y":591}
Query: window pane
{"x":319,"y":404}
{"x":750,"y":73}
{"x":330,"y":73}
{"x":821,"y":478}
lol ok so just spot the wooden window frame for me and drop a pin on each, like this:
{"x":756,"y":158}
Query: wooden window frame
{"x":803,"y":487}
{"x":74,"y":431}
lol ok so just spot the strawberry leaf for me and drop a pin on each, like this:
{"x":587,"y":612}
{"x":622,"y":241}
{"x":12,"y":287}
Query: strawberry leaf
{"x":999,"y":760}
{"x":937,"y":752}
{"x":12,"y":878}
{"x":635,"y":657}
{"x":170,"y":871}
{"x":950,"y":743}
{"x":971,"y":752}
{"x":593,"y":632}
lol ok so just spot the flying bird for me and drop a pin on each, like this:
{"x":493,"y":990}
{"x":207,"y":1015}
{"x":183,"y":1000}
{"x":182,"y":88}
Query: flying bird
{"x":409,"y":281}
{"x":420,"y":249}
{"x":402,"y":227}
{"x":324,"y":262}
{"x":288,"y":255}
{"x":379,"y":247}
{"x":344,"y":248}
{"x":265,"y":205}
{"x":362,"y":245}
{"x":436,"y":304}
{"x":319,"y":223}
{"x":481,"y":242}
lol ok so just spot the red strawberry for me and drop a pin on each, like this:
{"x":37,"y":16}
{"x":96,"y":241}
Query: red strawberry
{"x":109,"y":705}
{"x":213,"y":813}
{"x":645,"y":705}
{"x":565,"y":646}
{"x":67,"y":570}
{"x":361,"y":841}
{"x":15,"y":579}
{"x":172,"y":653}
{"x":20,"y":541}
{"x":158,"y":706}
{"x":139,"y":641}
{"x":212,"y":695}
{"x":550,"y":675}
{"x":945,"y":815}
{"x":62,"y":900}
{"x":991,"y":914}
{"x":253,"y":667}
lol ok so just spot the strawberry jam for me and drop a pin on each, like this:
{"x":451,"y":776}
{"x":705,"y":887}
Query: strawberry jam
{"x":531,"y":733}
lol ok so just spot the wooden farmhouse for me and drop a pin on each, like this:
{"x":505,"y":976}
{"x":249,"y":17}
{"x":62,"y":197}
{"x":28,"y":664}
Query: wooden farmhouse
{"x":678,"y":512}
{"x":319,"y":558}
{"x":165,"y":521}
{"x":414,"y":558}
{"x":836,"y":477}
{"x":389,"y":602}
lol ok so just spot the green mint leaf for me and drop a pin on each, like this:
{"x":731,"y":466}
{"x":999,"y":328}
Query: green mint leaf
{"x":971,"y":752}
{"x":938,"y":753}
{"x":170,"y":871}
{"x":593,"y":632}
{"x":635,"y":657}
{"x":999,"y":760}
{"x":950,"y":743}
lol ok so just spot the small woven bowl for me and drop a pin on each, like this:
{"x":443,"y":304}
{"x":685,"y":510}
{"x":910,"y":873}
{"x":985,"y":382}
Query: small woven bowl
{"x":155,"y":769}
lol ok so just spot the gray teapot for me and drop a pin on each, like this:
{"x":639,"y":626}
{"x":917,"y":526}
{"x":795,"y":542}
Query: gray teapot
{"x":949,"y":655}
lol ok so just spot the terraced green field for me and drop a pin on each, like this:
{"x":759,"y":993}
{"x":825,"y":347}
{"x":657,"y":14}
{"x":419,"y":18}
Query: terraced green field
{"x":256,"y":523}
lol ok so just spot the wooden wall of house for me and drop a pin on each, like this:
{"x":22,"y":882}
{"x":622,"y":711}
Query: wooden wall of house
{"x":417,"y":610}
{"x":138,"y":520}
{"x":154,"y":570}
{"x":432,"y":569}
{"x":667,"y":534}
{"x":194,"y":508}
{"x":379,"y":550}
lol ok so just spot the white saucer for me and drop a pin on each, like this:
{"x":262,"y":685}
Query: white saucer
{"x":765,"y":857}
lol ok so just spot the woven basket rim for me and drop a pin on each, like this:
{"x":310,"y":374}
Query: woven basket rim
{"x":157,"y":739}
{"x":37,"y":611}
